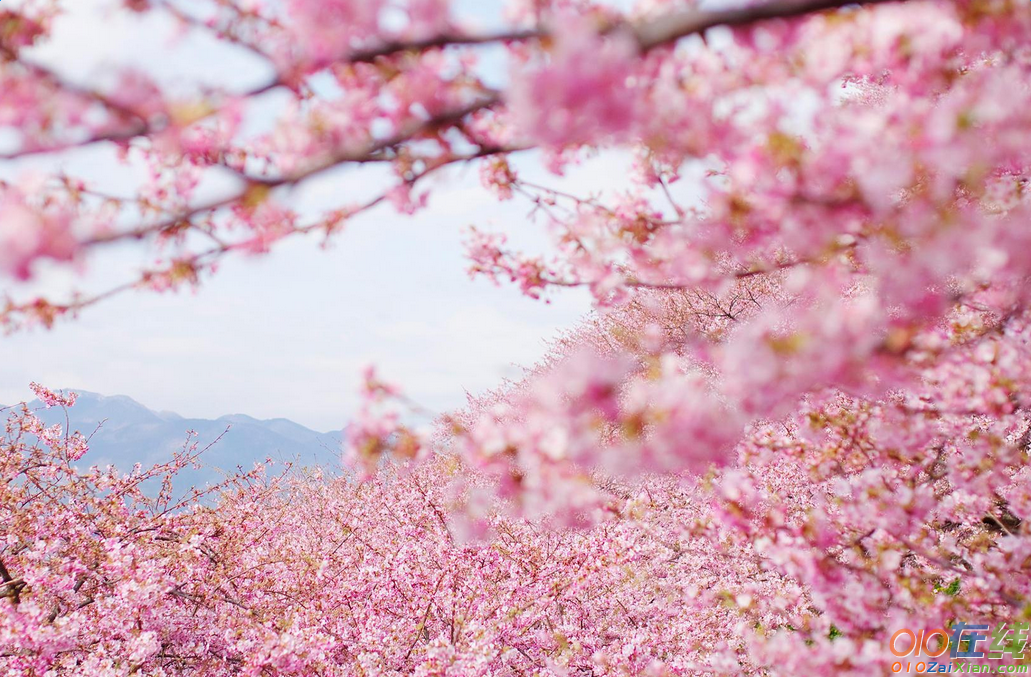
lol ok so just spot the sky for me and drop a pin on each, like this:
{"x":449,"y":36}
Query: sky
{"x":287,"y":335}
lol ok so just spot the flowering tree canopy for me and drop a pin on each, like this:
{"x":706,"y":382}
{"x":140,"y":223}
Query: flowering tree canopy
{"x":797,"y":421}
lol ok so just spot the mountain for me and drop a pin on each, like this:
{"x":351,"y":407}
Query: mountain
{"x":124,"y":432}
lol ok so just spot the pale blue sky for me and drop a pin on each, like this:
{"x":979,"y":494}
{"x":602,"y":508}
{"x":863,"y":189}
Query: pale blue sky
{"x":287,"y":335}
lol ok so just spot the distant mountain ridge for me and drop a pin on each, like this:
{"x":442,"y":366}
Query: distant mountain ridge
{"x":125,"y":432}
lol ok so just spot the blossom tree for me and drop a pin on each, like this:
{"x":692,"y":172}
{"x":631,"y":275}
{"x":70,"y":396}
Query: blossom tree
{"x":796,"y":423}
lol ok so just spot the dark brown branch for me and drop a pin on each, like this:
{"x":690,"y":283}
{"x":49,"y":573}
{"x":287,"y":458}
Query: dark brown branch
{"x":674,"y":26}
{"x":649,"y":35}
{"x":344,"y":156}
{"x":48,"y":312}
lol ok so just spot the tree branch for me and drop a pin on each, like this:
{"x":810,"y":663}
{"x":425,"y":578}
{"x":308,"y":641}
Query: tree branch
{"x":649,"y":35}
{"x":674,"y":26}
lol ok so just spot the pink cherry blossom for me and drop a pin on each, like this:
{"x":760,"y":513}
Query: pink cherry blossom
{"x":796,"y":420}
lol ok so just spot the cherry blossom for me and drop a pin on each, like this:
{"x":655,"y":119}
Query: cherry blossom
{"x":795,"y":422}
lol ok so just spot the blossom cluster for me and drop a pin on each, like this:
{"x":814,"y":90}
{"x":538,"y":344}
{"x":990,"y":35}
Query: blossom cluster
{"x":796,"y":422}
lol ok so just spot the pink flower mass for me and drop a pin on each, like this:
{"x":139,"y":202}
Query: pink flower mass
{"x":797,"y":420}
